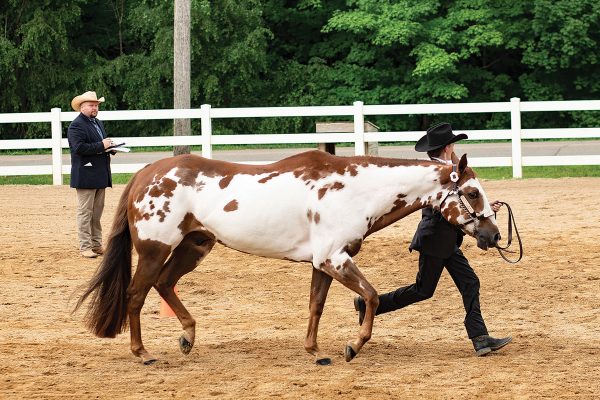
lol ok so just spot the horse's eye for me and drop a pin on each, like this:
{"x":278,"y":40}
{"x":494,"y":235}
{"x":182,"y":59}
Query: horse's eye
{"x":473,"y":195}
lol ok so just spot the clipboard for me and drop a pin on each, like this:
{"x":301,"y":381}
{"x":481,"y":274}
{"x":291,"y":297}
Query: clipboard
{"x":118,"y":147}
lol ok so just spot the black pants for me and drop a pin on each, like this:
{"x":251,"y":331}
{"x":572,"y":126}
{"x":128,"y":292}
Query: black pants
{"x":430,"y":270}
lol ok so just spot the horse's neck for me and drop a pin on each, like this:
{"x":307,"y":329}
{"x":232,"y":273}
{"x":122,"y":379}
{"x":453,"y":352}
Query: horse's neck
{"x":402,"y":190}
{"x":410,"y":181}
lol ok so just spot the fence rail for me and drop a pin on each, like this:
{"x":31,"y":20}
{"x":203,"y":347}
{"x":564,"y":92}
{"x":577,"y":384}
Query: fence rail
{"x":357,"y":112}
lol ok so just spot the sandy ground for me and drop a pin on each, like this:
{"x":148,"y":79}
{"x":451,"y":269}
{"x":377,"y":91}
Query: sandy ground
{"x":252,"y":314}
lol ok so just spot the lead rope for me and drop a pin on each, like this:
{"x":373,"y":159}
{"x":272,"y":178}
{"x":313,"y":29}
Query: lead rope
{"x":511,"y":222}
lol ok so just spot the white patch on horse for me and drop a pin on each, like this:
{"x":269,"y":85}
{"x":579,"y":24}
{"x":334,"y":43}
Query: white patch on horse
{"x":369,"y":193}
{"x":162,"y":226}
{"x":487,"y":209}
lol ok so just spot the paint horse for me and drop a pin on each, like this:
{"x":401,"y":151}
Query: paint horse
{"x":312,"y":207}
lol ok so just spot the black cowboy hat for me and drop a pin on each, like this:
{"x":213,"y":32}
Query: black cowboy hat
{"x":437,"y":137}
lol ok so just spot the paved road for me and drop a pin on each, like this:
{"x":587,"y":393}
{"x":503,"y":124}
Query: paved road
{"x":562,"y":148}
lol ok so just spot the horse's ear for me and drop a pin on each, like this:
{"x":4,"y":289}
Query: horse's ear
{"x":462,"y":164}
{"x":454,"y":158}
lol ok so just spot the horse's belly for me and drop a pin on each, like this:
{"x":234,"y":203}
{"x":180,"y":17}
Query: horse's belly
{"x":299,"y":253}
{"x":284,"y":241}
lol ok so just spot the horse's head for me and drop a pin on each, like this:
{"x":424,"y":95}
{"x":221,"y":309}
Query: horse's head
{"x":467,"y":206}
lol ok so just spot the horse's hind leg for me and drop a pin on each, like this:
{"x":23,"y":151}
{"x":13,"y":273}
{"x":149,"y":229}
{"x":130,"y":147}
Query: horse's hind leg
{"x":152,"y":256}
{"x":319,"y":286}
{"x":186,"y":256}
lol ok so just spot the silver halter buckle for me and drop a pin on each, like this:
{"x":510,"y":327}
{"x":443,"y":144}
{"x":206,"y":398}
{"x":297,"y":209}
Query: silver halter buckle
{"x":454,"y":176}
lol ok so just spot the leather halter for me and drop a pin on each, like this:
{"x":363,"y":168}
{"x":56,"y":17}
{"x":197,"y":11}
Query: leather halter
{"x":462,"y":201}
{"x":464,"y":204}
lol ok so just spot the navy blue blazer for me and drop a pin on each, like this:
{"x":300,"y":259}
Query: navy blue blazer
{"x":435,"y":236}
{"x":90,"y":165}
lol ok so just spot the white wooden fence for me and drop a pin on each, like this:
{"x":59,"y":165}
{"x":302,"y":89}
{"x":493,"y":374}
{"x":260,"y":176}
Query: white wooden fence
{"x":358,"y":111}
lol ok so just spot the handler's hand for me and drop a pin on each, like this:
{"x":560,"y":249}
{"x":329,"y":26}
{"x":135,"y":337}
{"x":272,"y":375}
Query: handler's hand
{"x":107,"y":143}
{"x":496,"y":204}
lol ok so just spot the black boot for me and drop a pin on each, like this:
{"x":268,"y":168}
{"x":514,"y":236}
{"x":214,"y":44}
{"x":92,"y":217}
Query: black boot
{"x":359,"y":305}
{"x":485,"y":344}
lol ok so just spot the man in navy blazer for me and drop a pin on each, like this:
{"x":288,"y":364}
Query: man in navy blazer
{"x":438,"y":243}
{"x":90,"y":171}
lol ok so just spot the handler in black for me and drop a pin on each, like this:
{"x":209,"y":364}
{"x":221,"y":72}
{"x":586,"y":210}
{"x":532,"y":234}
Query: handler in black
{"x":438,"y":244}
{"x":90,"y":171}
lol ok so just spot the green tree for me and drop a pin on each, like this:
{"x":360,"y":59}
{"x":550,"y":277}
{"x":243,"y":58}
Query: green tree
{"x":434,"y":51}
{"x":123,"y":49}
{"x":35,"y":58}
{"x":301,"y":52}
{"x":385,"y":52}
{"x":561,"y":57}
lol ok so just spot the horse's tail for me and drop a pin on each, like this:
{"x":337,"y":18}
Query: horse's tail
{"x":107,"y":310}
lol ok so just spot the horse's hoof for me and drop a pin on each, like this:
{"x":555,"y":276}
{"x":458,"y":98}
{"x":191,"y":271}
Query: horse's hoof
{"x":184,"y":345}
{"x":323,"y":361}
{"x":150,"y":361}
{"x":349,"y":353}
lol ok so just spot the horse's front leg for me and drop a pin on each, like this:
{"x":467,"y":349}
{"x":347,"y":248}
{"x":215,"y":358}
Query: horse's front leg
{"x":343,"y":269}
{"x":319,"y":287}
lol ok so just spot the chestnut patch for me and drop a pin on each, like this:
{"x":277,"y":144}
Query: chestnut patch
{"x":231,"y":206}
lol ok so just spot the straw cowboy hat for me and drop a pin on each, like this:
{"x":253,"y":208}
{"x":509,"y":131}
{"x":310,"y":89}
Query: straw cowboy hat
{"x":87,"y":96}
{"x":438,"y":136}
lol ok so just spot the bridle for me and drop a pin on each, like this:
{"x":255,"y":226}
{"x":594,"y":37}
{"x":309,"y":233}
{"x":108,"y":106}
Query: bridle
{"x":466,"y":206}
{"x":462,"y":201}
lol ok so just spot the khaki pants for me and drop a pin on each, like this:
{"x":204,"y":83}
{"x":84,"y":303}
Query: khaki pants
{"x":90,"y":204}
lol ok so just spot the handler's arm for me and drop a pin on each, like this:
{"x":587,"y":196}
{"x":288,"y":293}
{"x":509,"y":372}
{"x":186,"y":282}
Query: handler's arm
{"x":76,"y":135}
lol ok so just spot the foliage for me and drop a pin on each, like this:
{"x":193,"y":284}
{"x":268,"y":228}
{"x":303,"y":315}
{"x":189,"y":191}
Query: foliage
{"x":301,"y":52}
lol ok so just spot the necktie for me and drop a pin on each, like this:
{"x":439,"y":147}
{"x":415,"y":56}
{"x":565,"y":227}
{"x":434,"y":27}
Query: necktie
{"x":97,"y":128}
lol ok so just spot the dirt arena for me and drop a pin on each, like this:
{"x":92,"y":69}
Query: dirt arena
{"x":252,"y":314}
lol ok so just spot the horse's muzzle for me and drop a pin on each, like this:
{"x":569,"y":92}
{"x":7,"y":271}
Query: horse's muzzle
{"x":485,"y":241}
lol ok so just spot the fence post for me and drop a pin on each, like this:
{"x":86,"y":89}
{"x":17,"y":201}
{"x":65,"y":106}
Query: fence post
{"x":359,"y":129}
{"x":515,"y":126}
{"x":56,"y":146}
{"x":206,"y":129}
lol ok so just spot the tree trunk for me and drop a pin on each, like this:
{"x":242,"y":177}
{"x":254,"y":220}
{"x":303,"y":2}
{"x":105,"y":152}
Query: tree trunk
{"x":181,"y":70}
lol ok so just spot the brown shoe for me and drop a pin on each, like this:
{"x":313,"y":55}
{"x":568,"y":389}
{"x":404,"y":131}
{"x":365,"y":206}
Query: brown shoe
{"x":89,"y":253}
{"x":98,"y":250}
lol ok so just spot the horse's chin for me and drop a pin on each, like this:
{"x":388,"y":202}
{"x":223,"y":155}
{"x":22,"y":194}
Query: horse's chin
{"x":482,"y":245}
